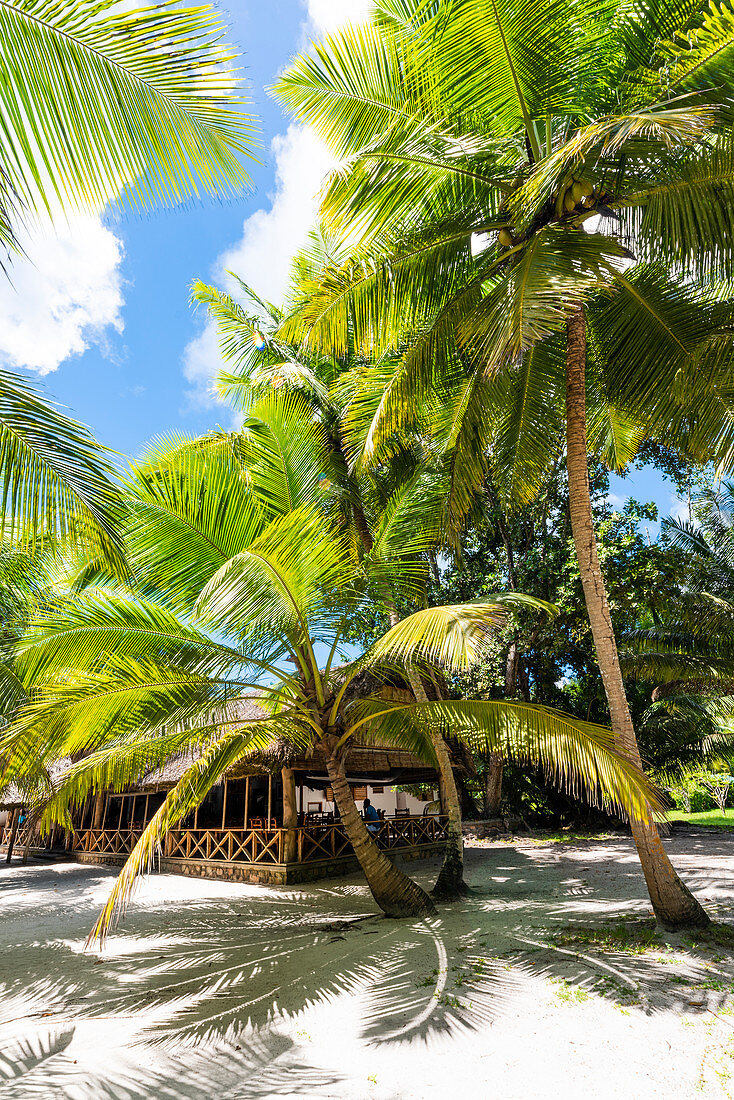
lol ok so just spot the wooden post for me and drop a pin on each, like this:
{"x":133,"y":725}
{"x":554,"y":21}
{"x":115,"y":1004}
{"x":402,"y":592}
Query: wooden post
{"x":196,"y":818}
{"x":247,"y":799}
{"x":15,"y":818}
{"x":270,"y":796}
{"x":119,"y":820}
{"x":132,"y":813}
{"x":290,"y":815}
{"x":99,"y":808}
{"x":300,"y":784}
{"x":104,"y":815}
{"x":224,"y":804}
{"x":147,"y":801}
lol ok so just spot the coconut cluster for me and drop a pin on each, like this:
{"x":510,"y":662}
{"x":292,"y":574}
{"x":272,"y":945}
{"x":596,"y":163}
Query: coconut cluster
{"x":575,"y":193}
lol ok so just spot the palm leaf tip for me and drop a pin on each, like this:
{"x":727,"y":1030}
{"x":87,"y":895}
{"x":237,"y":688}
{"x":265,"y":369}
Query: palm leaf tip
{"x":452,"y":636}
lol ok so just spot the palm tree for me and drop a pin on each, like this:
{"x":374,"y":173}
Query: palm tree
{"x":379,"y":507}
{"x":478,"y":140}
{"x":241,"y":580}
{"x":100,"y":104}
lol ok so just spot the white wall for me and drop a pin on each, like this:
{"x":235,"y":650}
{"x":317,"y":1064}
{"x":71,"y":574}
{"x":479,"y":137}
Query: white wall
{"x":390,"y":800}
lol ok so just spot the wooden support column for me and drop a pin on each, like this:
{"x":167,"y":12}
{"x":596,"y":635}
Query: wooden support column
{"x":119,"y":820}
{"x":247,"y":799}
{"x":14,"y":819}
{"x":98,"y":812}
{"x":270,"y":797}
{"x":300,"y":784}
{"x":224,"y":805}
{"x":290,"y":815}
{"x":145,"y":812}
{"x":104,"y":815}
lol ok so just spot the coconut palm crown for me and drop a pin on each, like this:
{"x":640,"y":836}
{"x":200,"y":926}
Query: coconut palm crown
{"x":243,"y":585}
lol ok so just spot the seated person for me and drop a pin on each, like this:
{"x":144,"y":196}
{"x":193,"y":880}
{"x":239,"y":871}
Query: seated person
{"x":371,"y":816}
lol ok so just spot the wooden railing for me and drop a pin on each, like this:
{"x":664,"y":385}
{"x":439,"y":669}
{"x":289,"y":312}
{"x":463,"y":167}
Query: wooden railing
{"x":21,"y":837}
{"x":261,"y":845}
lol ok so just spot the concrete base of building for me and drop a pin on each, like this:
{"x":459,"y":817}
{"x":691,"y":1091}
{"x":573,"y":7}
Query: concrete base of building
{"x":271,"y":874}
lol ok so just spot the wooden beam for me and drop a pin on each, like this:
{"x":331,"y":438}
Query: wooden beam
{"x":247,"y":798}
{"x":224,"y":804}
{"x":270,"y":797}
{"x":14,"y":819}
{"x":290,"y":815}
{"x":98,"y":812}
{"x":104,"y":815}
{"x":119,"y":820}
{"x":147,"y":800}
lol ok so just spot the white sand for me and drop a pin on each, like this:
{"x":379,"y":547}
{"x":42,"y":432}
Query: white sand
{"x":233,"y":991}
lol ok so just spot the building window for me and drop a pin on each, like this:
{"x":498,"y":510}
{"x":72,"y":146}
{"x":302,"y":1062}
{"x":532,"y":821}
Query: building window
{"x":329,"y":794}
{"x":378,"y":790}
{"x":359,"y":793}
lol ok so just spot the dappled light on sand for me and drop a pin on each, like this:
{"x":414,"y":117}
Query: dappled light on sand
{"x":245,"y":991}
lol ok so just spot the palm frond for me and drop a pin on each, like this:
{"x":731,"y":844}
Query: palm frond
{"x":55,"y":477}
{"x":190,"y":790}
{"x":577,"y":756}
{"x":100,"y":100}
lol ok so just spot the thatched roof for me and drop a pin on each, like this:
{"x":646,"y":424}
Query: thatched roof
{"x":13,"y":796}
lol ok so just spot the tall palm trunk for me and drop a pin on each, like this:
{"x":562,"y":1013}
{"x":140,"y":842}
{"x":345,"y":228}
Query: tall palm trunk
{"x":395,"y":893}
{"x":674,"y":905}
{"x":450,"y":882}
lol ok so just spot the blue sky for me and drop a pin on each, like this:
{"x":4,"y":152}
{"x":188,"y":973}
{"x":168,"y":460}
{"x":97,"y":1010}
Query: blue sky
{"x":101,"y":311}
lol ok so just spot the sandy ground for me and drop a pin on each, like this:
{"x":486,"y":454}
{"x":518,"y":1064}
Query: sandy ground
{"x":233,"y":991}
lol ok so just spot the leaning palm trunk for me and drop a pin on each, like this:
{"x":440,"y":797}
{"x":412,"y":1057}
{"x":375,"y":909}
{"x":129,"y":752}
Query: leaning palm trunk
{"x":395,"y":893}
{"x":450,"y":882}
{"x":673,"y":903}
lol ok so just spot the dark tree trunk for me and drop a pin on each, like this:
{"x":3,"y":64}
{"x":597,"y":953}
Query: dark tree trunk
{"x":395,"y":893}
{"x":674,"y":905}
{"x":493,"y":785}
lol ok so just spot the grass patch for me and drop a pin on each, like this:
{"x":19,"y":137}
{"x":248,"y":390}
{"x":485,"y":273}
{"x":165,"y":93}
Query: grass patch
{"x":709,"y":819}
{"x":720,"y":935}
{"x":636,"y":935}
{"x":633,"y":937}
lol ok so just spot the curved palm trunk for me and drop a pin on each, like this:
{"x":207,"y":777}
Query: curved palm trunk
{"x":395,"y":893}
{"x":450,"y":882}
{"x":675,"y":906}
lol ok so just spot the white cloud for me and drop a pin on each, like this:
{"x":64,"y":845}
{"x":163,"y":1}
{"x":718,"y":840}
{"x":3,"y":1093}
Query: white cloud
{"x":61,"y":296}
{"x":328,"y":16}
{"x":271,"y":236}
{"x":678,"y":508}
{"x":615,"y":501}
